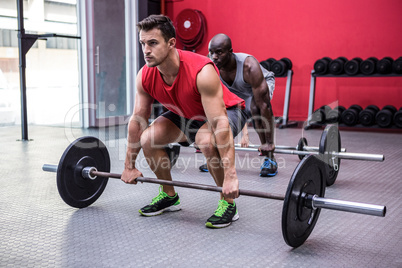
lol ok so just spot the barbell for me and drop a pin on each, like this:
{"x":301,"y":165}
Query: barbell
{"x":80,"y":184}
{"x":329,"y":149}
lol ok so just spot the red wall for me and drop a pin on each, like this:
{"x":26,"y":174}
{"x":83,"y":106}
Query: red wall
{"x":305,"y":31}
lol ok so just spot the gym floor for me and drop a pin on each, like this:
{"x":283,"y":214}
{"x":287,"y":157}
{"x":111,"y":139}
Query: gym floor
{"x":37,"y":229}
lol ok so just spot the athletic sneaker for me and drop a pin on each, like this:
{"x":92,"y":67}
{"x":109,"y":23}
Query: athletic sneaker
{"x":223,"y":216}
{"x":197,"y":150}
{"x":162,"y":202}
{"x":269,"y":168}
{"x":204,"y":168}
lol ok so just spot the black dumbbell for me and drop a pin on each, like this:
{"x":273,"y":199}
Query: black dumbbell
{"x":384,"y":66}
{"x":398,"y":118}
{"x":368,"y":66}
{"x":321,"y":66}
{"x":367,"y":116}
{"x":385,"y":117}
{"x":350,"y":117}
{"x":319,"y":116}
{"x":352,"y":67}
{"x":335,"y":115}
{"x":336,"y":67}
{"x":280,"y":67}
{"x":288,"y":62}
{"x":266,"y":65}
{"x":397,"y":66}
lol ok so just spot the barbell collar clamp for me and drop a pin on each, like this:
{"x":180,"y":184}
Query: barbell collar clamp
{"x":88,"y":172}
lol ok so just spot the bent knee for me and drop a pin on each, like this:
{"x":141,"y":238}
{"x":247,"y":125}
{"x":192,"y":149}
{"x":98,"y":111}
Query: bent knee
{"x":206,"y":143}
{"x":146,"y":141}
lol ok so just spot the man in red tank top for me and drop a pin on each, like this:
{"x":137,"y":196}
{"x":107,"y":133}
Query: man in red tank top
{"x":200,"y":109}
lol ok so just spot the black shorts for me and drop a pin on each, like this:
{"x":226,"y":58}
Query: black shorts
{"x":237,"y":120}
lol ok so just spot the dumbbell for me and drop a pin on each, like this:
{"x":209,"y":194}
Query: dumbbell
{"x":352,"y":67}
{"x":319,"y":116}
{"x":267,"y":64}
{"x":335,"y":115}
{"x":336,"y":67}
{"x":385,"y":116}
{"x":321,"y":66}
{"x":398,"y":118}
{"x":368,"y":66}
{"x":350,"y":117}
{"x":367,"y":116}
{"x":397,"y":66}
{"x":384,"y":66}
{"x":280,"y":67}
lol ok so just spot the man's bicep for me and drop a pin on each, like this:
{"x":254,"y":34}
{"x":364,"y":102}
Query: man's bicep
{"x":210,"y":89}
{"x":253,"y":74}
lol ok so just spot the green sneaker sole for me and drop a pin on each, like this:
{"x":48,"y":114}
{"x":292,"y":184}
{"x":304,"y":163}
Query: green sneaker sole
{"x":222,"y":225}
{"x":159,"y":212}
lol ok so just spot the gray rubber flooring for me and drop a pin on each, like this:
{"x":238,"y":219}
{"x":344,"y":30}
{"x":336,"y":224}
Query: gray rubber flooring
{"x":37,"y":229}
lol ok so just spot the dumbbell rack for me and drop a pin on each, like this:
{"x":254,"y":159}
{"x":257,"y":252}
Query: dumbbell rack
{"x":313,"y":87}
{"x":283,"y":122}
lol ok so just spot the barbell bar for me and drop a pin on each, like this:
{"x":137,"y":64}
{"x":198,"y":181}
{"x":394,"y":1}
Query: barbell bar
{"x":341,"y":155}
{"x":316,"y":202}
{"x":329,"y":151}
{"x":287,"y":147}
{"x":80,"y":184}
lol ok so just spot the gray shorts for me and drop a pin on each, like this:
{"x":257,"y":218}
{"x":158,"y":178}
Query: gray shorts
{"x":237,"y":120}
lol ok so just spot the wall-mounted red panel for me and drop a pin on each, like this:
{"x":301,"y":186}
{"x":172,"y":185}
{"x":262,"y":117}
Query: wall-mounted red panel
{"x":305,"y":31}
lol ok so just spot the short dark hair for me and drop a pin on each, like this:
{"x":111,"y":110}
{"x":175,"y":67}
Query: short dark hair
{"x":161,"y":22}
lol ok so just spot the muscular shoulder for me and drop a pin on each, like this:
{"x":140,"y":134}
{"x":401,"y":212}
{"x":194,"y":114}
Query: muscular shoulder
{"x":208,"y":79}
{"x":251,"y":69}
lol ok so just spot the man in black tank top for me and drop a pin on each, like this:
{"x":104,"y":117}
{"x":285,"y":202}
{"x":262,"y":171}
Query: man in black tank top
{"x":256,"y":83}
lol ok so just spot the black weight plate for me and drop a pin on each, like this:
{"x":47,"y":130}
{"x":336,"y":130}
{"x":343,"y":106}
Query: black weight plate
{"x":357,"y":107}
{"x":368,"y":66}
{"x":344,"y":59}
{"x":350,"y":117}
{"x":330,"y":142}
{"x":288,"y":63}
{"x":384,"y":66}
{"x":318,"y":117}
{"x":300,"y":146}
{"x":279,"y":68}
{"x":391,"y":108}
{"x":367,"y":117}
{"x":266,"y":65}
{"x":397,"y":66}
{"x":75,"y":190}
{"x":398,"y":118}
{"x":384,"y":118}
{"x":374,"y":108}
{"x":298,"y":221}
{"x":352,"y":67}
{"x":321,"y":66}
{"x":336,"y":66}
{"x":334,"y":116}
{"x":271,"y":60}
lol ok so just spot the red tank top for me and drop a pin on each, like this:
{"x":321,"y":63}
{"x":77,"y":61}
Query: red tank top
{"x":183,"y":97}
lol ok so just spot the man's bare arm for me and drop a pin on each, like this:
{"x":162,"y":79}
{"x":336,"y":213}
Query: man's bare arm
{"x":210,"y":88}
